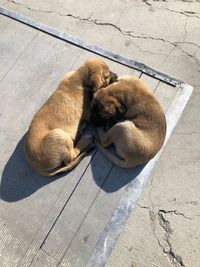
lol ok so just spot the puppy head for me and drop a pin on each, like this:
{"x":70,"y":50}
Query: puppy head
{"x":99,"y":74}
{"x":106,"y":108}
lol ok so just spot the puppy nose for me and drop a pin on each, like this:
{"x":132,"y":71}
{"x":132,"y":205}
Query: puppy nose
{"x":114,"y":77}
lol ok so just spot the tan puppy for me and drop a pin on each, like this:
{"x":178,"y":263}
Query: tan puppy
{"x":139,"y":122}
{"x":53,"y":144}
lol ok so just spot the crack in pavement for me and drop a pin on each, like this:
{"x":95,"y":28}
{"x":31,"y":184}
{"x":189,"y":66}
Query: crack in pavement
{"x":124,"y":32}
{"x":147,"y":2}
{"x":168,"y":250}
{"x":185,"y":29}
{"x":175,"y":259}
{"x":151,"y":190}
{"x":177,"y":45}
{"x":188,"y":14}
{"x":165,"y":224}
{"x":125,"y":7}
{"x":99,"y":23}
{"x":159,"y":219}
{"x":174,"y":212}
{"x":131,"y":34}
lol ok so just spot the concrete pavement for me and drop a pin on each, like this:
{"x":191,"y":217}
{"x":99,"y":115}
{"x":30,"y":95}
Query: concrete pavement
{"x":163,"y":230}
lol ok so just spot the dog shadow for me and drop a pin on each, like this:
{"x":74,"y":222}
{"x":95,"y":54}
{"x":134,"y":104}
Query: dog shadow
{"x":109,"y":177}
{"x":18,"y":180}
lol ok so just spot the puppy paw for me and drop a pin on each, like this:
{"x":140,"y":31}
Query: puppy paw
{"x":87,"y":138}
{"x":105,"y":142}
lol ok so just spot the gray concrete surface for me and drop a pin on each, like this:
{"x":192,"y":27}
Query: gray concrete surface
{"x":164,"y":228}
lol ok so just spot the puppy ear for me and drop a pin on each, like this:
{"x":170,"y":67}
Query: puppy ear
{"x":113,"y":77}
{"x":95,"y":82}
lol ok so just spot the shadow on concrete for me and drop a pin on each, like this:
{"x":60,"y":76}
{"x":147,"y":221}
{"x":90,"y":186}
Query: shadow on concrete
{"x":18,"y":179}
{"x":119,"y":178}
{"x":111,"y":178}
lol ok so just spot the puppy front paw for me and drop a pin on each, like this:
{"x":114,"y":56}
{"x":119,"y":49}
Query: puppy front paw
{"x":105,"y":142}
{"x":88,"y":138}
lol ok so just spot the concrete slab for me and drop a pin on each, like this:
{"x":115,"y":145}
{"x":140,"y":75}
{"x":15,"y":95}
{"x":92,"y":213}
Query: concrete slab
{"x":172,"y":47}
{"x":60,"y":229}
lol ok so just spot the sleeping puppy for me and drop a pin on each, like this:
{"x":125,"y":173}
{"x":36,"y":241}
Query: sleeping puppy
{"x":137,"y":121}
{"x":53,"y":144}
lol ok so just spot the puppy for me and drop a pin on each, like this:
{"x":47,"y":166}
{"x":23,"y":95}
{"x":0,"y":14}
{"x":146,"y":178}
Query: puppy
{"x":137,"y":119}
{"x":53,"y":144}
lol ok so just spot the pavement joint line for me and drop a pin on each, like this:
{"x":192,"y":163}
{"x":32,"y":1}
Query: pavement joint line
{"x":90,"y":47}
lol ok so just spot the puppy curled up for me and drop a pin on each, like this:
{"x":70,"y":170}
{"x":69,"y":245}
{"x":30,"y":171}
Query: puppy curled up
{"x":53,"y":142}
{"x":128,"y":115}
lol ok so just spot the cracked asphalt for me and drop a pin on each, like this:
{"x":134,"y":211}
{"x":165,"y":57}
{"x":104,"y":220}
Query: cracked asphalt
{"x":163,"y":230}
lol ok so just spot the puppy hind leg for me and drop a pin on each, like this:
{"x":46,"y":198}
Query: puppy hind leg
{"x":56,"y":148}
{"x":104,"y":137}
{"x":69,"y":156}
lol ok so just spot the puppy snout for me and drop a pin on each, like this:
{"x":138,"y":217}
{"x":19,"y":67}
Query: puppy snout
{"x":113,"y":77}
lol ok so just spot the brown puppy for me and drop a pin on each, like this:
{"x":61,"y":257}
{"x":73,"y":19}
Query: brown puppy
{"x":53,"y":144}
{"x":139,"y":121}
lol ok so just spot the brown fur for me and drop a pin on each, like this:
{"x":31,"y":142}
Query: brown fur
{"x":137,"y":119}
{"x":53,"y":144}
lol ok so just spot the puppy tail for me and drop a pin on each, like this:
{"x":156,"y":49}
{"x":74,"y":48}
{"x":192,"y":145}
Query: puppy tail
{"x":113,"y":158}
{"x":69,"y":167}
